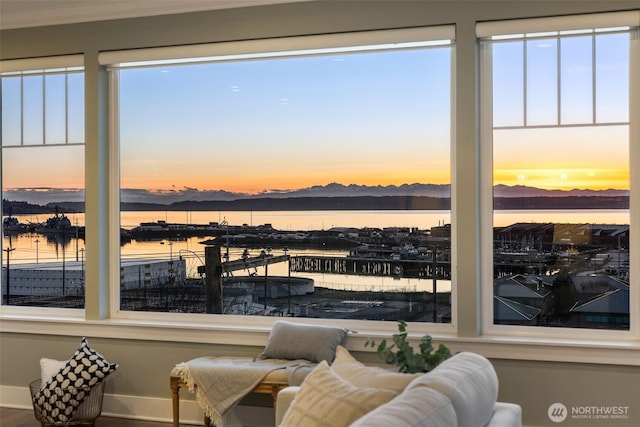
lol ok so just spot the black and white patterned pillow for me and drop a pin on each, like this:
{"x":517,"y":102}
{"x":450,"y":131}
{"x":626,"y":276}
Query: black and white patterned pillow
{"x":58,"y":399}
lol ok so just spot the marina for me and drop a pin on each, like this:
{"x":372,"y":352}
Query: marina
{"x":387,"y":250}
{"x":393,"y":270}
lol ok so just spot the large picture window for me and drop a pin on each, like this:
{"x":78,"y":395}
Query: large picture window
{"x":313,"y":183}
{"x":43,"y":182}
{"x":325,"y":178}
{"x":558,"y":108}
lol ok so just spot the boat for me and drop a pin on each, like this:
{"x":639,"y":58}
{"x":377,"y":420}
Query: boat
{"x":58,"y":223}
{"x":11,"y":224}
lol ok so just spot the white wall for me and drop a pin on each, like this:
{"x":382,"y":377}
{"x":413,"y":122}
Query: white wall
{"x":146,"y":359}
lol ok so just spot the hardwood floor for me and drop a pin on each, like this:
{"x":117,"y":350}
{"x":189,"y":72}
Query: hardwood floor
{"x":24,"y":418}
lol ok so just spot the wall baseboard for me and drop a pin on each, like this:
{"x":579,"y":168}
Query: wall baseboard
{"x":150,"y":409}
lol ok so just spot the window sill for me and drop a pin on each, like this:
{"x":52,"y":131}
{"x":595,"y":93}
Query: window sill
{"x":551,"y":350}
{"x":493,"y":347}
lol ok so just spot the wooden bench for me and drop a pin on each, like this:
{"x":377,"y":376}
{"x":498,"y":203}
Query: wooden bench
{"x":272,"y":384}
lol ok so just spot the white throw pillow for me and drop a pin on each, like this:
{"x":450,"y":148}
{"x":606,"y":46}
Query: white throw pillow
{"x":419,"y":407}
{"x":326,"y":400}
{"x":347,"y":367}
{"x":48,"y":368}
{"x":470,"y":382}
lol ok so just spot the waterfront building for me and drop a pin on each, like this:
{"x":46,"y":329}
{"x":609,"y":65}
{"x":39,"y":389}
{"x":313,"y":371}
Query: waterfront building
{"x":59,"y":279}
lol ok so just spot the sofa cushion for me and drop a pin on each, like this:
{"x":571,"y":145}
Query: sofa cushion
{"x":326,"y":400}
{"x":283,"y":402}
{"x":347,"y":367}
{"x":470,"y":382}
{"x":419,"y":407}
{"x":506,"y":414}
{"x":294,"y":341}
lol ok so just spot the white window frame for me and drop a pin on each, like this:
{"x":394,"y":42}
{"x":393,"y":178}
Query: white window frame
{"x":62,"y":64}
{"x":47,"y":66}
{"x":520,"y":27}
{"x":440,"y":36}
{"x":467,"y":332}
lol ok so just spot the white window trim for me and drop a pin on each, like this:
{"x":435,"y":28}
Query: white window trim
{"x":269,"y":48}
{"x":599,"y":352}
{"x":632,"y":336}
{"x":280,"y":47}
{"x":36,"y":66}
{"x":63,"y":63}
{"x":216,"y":329}
{"x":557,"y":37}
{"x":558,"y":23}
{"x":43,"y":66}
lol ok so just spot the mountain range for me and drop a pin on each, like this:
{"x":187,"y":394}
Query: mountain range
{"x":44,"y":196}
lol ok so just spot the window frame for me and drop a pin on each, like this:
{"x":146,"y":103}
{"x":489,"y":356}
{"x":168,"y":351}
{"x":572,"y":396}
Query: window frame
{"x":466,"y":332}
{"x":485,"y":31}
{"x":43,"y":66}
{"x":367,"y":41}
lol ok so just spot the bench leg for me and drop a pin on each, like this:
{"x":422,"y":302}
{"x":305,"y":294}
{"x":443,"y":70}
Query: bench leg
{"x":175,"y":397}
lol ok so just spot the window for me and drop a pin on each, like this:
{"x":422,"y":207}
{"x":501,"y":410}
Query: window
{"x":321,"y":173}
{"x":557,"y":126}
{"x":43,"y":182}
{"x":569,"y":106}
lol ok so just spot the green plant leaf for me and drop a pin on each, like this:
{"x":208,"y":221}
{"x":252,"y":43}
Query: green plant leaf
{"x":402,"y":355}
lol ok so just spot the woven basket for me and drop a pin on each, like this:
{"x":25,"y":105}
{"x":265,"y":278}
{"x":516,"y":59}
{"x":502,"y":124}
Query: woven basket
{"x":84,"y":416}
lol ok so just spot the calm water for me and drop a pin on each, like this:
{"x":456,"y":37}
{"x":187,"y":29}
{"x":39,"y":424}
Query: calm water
{"x":318,"y":220}
{"x":32,"y":248}
{"x":297,"y":220}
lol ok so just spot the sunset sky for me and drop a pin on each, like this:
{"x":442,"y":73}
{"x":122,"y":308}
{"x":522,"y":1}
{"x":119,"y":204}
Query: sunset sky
{"x":289,"y":123}
{"x":367,"y":119}
{"x":595,"y":157}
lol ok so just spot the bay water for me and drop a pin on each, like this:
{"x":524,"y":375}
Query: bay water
{"x":32,"y":248}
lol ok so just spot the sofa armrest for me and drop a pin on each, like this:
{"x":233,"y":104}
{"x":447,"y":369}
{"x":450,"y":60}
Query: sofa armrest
{"x":506,"y":415}
{"x":285,"y":397}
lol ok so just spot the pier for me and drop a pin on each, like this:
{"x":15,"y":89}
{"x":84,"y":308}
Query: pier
{"x":415,"y":269}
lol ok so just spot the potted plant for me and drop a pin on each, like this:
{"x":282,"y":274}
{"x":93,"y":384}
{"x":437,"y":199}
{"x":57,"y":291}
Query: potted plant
{"x":402,"y":355}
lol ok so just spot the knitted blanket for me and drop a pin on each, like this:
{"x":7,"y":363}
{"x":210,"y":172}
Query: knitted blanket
{"x":223,"y":382}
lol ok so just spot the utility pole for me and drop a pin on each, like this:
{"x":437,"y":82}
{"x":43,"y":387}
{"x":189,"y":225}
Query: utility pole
{"x":286,"y":253}
{"x":82,"y":265}
{"x":64,"y":272}
{"x":213,"y":280}
{"x":266,"y":280}
{"x":435,"y":286}
{"x":77,"y":239}
{"x":8,"y":251}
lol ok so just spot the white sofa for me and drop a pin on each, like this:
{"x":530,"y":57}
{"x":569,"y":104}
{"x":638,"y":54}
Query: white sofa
{"x":462,"y":391}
